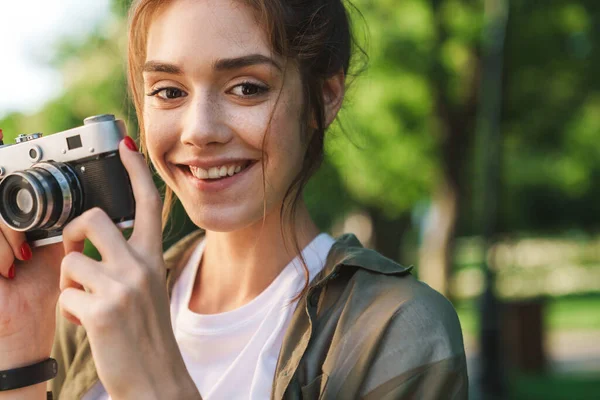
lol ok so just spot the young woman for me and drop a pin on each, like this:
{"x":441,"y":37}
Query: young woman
{"x":233,"y":99}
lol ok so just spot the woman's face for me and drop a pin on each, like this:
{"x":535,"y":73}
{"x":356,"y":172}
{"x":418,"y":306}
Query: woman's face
{"x":213,"y":88}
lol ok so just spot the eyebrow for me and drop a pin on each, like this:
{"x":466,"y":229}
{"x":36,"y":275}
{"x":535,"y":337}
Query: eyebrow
{"x":223,"y":64}
{"x":245,"y":61}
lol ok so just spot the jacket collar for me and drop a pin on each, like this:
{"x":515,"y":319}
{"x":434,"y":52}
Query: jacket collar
{"x":347,"y":251}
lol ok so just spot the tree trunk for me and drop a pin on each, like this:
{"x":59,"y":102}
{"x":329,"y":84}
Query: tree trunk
{"x":456,"y":120}
{"x":388,"y":233}
{"x":435,"y":253}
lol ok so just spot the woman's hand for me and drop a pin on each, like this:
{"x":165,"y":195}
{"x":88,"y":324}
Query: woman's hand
{"x":28,"y":294}
{"x":122,"y":300}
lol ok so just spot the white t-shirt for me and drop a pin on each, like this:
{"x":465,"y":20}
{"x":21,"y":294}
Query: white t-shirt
{"x":233,"y":355}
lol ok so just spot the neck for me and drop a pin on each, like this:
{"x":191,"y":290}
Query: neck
{"x":237,"y":266}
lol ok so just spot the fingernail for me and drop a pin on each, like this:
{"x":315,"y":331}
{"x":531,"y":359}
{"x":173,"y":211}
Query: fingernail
{"x":26,"y":252}
{"x":11,"y":272}
{"x":130,"y":143}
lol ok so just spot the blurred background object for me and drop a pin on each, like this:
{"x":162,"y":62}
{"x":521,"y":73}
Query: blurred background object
{"x":409,"y":167}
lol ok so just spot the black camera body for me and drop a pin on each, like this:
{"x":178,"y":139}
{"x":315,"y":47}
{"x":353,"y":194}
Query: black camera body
{"x":46,"y":182}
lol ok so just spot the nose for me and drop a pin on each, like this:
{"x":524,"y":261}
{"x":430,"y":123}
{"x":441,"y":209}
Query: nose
{"x":203,"y":123}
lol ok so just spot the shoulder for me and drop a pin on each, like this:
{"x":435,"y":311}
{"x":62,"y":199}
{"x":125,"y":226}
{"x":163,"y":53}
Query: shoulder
{"x":419,"y":317}
{"x":375,"y":283}
{"x":424,"y":327}
{"x":421,"y":353}
{"x":400,"y":327}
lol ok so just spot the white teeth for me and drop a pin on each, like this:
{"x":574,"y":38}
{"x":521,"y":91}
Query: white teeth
{"x":199,"y":172}
{"x":215,"y":172}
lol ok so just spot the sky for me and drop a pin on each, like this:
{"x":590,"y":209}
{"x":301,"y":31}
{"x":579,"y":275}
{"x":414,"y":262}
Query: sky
{"x":28,"y":31}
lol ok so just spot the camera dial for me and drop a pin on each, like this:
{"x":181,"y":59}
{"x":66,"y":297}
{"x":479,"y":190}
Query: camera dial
{"x":27,"y":137}
{"x":98,"y":118}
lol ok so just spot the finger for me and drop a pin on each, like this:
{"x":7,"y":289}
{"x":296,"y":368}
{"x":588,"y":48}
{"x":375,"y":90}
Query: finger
{"x":7,"y":266}
{"x":147,"y":231}
{"x":70,"y":317}
{"x":79,"y":271}
{"x":74,"y":304}
{"x":96,"y":226}
{"x":18,"y":243}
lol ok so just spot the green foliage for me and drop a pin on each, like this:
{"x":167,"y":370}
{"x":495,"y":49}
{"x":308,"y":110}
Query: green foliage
{"x":550,"y":121}
{"x":326,"y":196}
{"x":417,"y":50}
{"x":120,"y":7}
{"x":94,"y":77}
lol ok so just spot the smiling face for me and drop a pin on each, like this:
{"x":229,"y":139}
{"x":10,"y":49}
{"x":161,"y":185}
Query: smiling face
{"x":214,"y":89}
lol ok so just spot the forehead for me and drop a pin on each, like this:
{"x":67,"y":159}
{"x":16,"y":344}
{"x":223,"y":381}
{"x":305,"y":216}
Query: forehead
{"x":189,"y":32}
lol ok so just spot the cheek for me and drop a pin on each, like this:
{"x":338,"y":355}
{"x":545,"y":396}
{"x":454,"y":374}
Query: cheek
{"x":288,"y":125}
{"x":159,"y":139}
{"x":249,"y":124}
{"x":285,"y":147}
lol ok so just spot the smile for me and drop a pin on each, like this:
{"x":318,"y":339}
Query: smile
{"x":217,"y":179}
{"x":219,"y":172}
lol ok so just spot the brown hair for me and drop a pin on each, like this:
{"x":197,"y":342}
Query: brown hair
{"x":315,"y":34}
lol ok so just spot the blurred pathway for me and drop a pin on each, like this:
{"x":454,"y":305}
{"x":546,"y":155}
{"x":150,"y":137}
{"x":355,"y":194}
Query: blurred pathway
{"x":569,"y":352}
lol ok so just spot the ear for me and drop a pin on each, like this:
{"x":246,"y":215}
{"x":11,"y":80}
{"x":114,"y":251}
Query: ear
{"x":334,"y":89}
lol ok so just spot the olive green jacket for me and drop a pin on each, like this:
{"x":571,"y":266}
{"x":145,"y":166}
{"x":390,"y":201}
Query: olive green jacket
{"x":365,"y":329}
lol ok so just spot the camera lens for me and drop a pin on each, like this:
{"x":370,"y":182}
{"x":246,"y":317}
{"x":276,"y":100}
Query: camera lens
{"x":24,"y":201}
{"x":45,"y":197}
{"x":22,"y":205}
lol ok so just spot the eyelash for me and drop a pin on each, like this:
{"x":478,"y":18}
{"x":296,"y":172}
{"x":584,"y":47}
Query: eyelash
{"x":261,"y":89}
{"x":156,"y":91}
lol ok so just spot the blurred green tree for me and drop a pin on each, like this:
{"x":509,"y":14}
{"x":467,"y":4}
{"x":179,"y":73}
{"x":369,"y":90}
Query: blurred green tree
{"x":551,"y":117}
{"x":414,"y":112}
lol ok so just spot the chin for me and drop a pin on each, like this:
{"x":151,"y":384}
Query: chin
{"x":223,"y":220}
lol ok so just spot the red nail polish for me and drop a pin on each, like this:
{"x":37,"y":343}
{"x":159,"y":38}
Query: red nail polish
{"x":130,"y":143}
{"x":26,"y":252}
{"x":11,"y":272}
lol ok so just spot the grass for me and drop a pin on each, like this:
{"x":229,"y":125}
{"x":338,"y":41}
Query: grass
{"x":551,"y":387}
{"x":577,"y":313}
{"x":573,"y":313}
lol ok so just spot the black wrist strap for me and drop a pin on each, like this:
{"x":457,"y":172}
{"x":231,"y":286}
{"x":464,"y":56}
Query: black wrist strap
{"x":28,"y":376}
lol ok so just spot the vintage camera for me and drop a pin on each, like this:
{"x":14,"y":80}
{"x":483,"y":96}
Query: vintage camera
{"x":46,"y":182}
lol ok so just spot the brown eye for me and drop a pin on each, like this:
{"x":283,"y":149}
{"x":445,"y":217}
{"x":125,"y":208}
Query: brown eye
{"x":172,"y":93}
{"x":248,"y":89}
{"x":168,"y":93}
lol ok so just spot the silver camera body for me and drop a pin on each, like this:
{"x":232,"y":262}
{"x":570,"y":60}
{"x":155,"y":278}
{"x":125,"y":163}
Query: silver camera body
{"x":45,"y":182}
